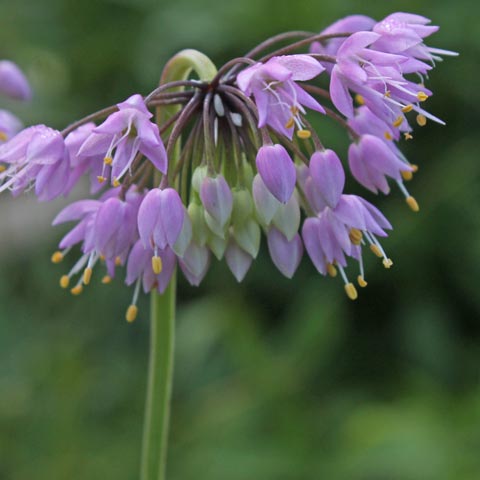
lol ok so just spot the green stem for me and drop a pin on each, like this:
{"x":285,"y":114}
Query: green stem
{"x":160,"y":379}
{"x":162,"y":335}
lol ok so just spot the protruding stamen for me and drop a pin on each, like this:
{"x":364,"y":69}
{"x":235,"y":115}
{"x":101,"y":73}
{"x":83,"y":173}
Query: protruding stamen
{"x":414,"y":168}
{"x":412,"y":203}
{"x":361,"y":281}
{"x":118,"y":261}
{"x":351,"y":291}
{"x":331,"y":270}
{"x":87,"y":275}
{"x":304,"y":134}
{"x":290,"y":123}
{"x":64,"y":281}
{"x":387,"y":94}
{"x":115,"y":182}
{"x":132,"y":312}
{"x":355,"y":236}
{"x":77,"y":290}
{"x":388,"y":136}
{"x":108,"y":160}
{"x":398,"y":121}
{"x":57,"y":257}
{"x":359,"y":99}
{"x":422,"y":96}
{"x":387,"y":263}
{"x":406,"y":174}
{"x":106,"y":279}
{"x":407,"y":108}
{"x":408,"y":136}
{"x":101,"y":179}
{"x":157,"y":264}
{"x":376,"y":250}
{"x":421,"y":120}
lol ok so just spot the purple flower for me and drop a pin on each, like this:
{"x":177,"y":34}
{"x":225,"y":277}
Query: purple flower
{"x":238,"y":260}
{"x":127,"y":132}
{"x":266,"y":204}
{"x":217,"y":199}
{"x":35,"y":156}
{"x":371,"y":161}
{"x":279,"y":99}
{"x":160,"y":221}
{"x":195,"y":263}
{"x":13,"y":82}
{"x":10,"y":125}
{"x":277,"y":171}
{"x":285,"y":254}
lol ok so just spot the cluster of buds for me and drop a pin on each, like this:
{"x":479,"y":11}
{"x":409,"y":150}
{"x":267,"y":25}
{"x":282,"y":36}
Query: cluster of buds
{"x":233,"y":156}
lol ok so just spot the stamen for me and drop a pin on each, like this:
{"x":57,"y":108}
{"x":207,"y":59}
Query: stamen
{"x":290,"y":123}
{"x":359,"y":99}
{"x":332,"y":271}
{"x":355,"y":236}
{"x":361,"y":281}
{"x":351,"y":291}
{"x":387,"y":94}
{"x":422,"y":96}
{"x":398,"y":121}
{"x":2,"y":168}
{"x":108,"y":160}
{"x":407,"y":108}
{"x":106,"y":279}
{"x":3,"y":136}
{"x":77,"y":290}
{"x":421,"y":120}
{"x":57,"y":257}
{"x":295,"y":111}
{"x":374,"y":248}
{"x":115,"y":182}
{"x":406,"y":174}
{"x":304,"y":134}
{"x":408,"y":136}
{"x":64,"y":281}
{"x":414,"y":168}
{"x":118,"y":261}
{"x":157,"y":264}
{"x":387,"y":263}
{"x":412,"y":203}
{"x":101,"y":178}
{"x":388,"y":136}
{"x":87,"y":275}
{"x":132,"y":312}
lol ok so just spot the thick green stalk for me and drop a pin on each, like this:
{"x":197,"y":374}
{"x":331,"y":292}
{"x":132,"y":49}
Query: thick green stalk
{"x":162,"y":335}
{"x":160,"y":379}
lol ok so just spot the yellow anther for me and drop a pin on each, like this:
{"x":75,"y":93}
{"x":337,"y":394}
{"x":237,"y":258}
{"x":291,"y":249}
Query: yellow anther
{"x":2,"y":168}
{"x":76,"y":290}
{"x":106,"y":279}
{"x":115,"y":182}
{"x":118,"y":261}
{"x":387,"y":263}
{"x":57,"y":257}
{"x":398,"y":121}
{"x":290,"y":123}
{"x":422,"y":96}
{"x":374,"y":248}
{"x":101,"y":179}
{"x":407,"y":108}
{"x":87,"y":275}
{"x":132,"y":312}
{"x":331,"y":270}
{"x":421,"y":120}
{"x":351,"y":291}
{"x":102,"y":258}
{"x":414,"y":168}
{"x":3,"y":136}
{"x":412,"y":203}
{"x":388,"y":136}
{"x":361,"y":281}
{"x":406,"y":175}
{"x":355,"y":236}
{"x":359,"y":99}
{"x":294,"y":110}
{"x":408,"y":136}
{"x":157,"y":265}
{"x":64,"y":281}
{"x":387,"y":94}
{"x":304,"y":134}
{"x":108,"y":160}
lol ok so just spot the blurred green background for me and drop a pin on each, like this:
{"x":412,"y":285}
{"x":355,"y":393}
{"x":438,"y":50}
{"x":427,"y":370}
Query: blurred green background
{"x":275,"y":379}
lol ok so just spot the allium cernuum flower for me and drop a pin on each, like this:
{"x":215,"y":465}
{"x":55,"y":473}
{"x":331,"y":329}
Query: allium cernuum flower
{"x":279,"y":99}
{"x":127,"y":132}
{"x":219,"y":169}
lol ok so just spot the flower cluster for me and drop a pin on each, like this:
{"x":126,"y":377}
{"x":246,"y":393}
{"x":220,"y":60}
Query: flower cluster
{"x":235,"y":156}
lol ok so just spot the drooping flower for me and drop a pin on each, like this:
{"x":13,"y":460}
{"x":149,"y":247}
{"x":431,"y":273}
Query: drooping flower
{"x":122,"y":136}
{"x":279,"y":99}
{"x":13,"y":82}
{"x":285,"y":254}
{"x":10,"y":125}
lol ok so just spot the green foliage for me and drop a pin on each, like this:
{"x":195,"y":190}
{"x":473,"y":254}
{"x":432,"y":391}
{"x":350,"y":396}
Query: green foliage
{"x":275,"y":379}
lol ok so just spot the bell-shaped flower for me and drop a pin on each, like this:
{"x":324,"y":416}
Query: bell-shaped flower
{"x":266,"y":205}
{"x":35,"y":156}
{"x":277,"y":171}
{"x":371,"y":161}
{"x":287,"y":218}
{"x":10,"y":125}
{"x":13,"y":82}
{"x":160,"y":219}
{"x":122,"y":136}
{"x":238,"y":260}
{"x":285,"y":254}
{"x":280,"y":101}
{"x":195,"y":263}
{"x":217,"y":199}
